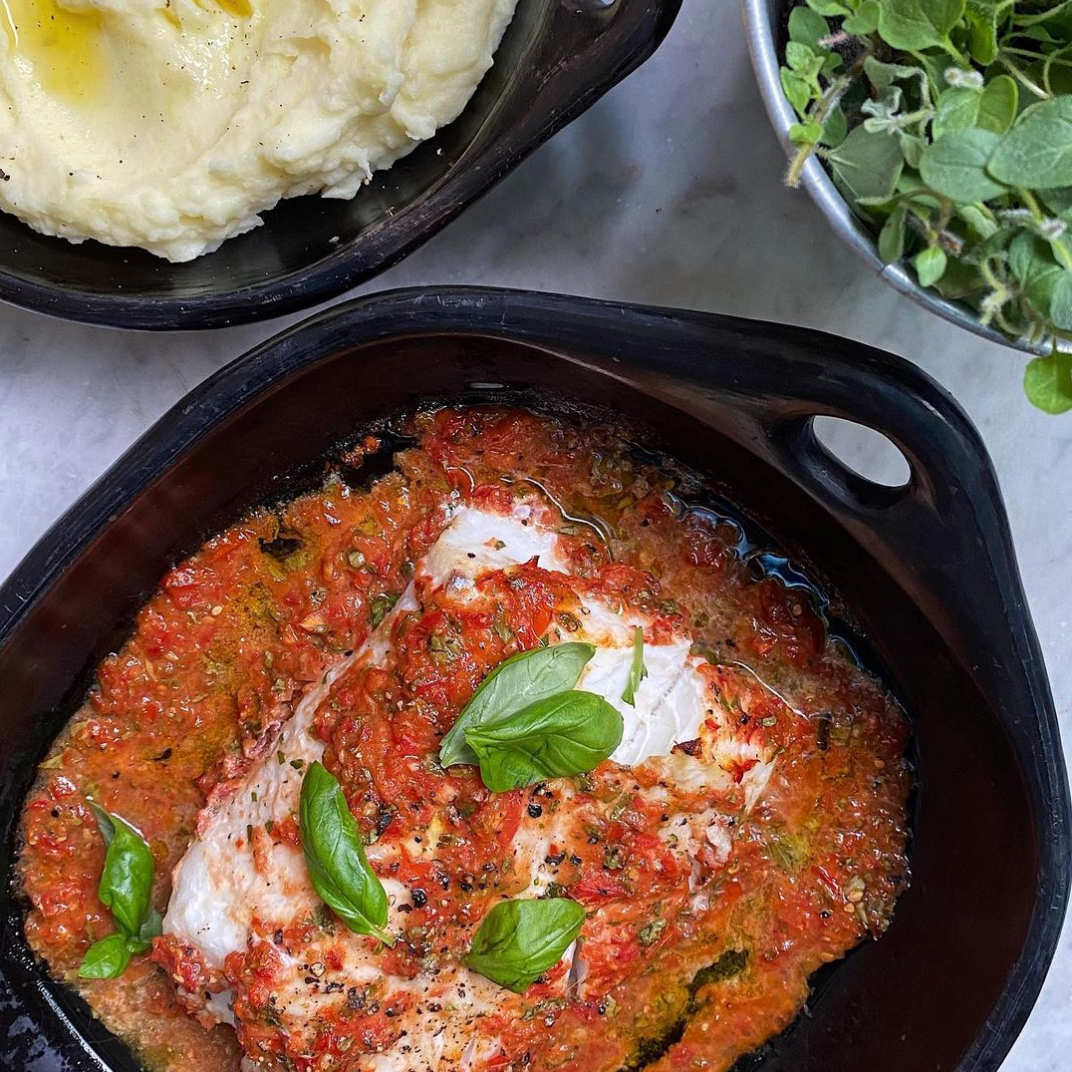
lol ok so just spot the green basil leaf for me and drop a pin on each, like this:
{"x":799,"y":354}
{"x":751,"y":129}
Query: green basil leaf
{"x":867,"y":165}
{"x":637,"y":670}
{"x":335,"y":856}
{"x":571,"y":733}
{"x":1037,"y":152}
{"x":515,"y":683}
{"x":152,"y":927}
{"x":519,"y":940}
{"x":106,"y":959}
{"x":955,"y":165}
{"x":914,"y":25}
{"x":126,"y":883}
{"x":864,"y":21}
{"x":1048,"y":383}
{"x":891,"y":239}
{"x":930,"y":265}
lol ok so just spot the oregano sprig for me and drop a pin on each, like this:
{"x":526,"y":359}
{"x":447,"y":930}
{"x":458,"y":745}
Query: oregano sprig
{"x":947,"y":126}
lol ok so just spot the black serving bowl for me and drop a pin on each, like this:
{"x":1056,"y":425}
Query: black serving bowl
{"x":557,"y":58}
{"x":926,"y":572}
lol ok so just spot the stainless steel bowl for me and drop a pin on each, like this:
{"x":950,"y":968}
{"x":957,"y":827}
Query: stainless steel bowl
{"x":765,"y":21}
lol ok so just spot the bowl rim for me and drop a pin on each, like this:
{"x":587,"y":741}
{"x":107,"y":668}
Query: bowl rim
{"x":859,"y":383}
{"x":606,"y":40}
{"x":761,"y":21}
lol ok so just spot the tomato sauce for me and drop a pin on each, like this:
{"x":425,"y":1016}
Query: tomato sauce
{"x":222,"y":651}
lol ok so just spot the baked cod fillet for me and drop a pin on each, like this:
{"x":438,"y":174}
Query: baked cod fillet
{"x":249,"y":943}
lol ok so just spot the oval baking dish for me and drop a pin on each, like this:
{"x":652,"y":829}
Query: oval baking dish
{"x":557,"y":58}
{"x":927,"y":570}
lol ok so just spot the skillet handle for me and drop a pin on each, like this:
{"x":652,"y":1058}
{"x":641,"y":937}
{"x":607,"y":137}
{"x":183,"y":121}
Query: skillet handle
{"x":591,"y":45}
{"x":948,"y":522}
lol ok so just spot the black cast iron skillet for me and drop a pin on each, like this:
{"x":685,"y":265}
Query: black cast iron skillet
{"x":927,"y":570}
{"x":558,"y":57}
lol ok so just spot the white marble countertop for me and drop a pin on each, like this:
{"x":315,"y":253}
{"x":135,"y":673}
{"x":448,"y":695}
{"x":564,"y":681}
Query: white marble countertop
{"x":668,"y":191}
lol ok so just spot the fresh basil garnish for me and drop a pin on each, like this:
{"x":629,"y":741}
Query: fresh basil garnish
{"x":515,"y":683}
{"x":126,"y":883}
{"x":106,"y":959}
{"x":335,"y":856}
{"x":520,"y":940}
{"x":571,"y":733}
{"x":638,"y":671}
{"x":126,"y":889}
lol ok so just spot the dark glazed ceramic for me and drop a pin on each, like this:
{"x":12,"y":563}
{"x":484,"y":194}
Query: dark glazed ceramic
{"x":558,"y":57}
{"x":927,"y":571}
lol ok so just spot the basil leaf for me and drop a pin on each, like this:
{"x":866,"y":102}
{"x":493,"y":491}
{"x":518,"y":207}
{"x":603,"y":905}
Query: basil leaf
{"x":955,"y":165}
{"x":335,"y":856}
{"x":637,"y":671}
{"x":126,"y":883}
{"x":918,"y":24}
{"x":571,"y":733}
{"x":519,"y":940}
{"x":106,"y":959}
{"x":520,"y":680}
{"x":1048,"y":383}
{"x":152,"y":927}
{"x":1037,"y":152}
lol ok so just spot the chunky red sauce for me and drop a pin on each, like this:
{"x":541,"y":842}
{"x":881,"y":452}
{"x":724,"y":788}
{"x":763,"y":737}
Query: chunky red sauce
{"x":219,"y":655}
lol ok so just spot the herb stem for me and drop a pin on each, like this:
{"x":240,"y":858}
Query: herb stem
{"x":1022,"y":78}
{"x":955,"y":52}
{"x":829,"y":100}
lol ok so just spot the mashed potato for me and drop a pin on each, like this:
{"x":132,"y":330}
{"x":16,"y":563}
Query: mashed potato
{"x":172,"y":124}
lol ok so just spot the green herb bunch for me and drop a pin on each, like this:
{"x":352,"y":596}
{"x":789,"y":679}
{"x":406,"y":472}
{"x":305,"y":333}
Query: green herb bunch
{"x":947,"y":126}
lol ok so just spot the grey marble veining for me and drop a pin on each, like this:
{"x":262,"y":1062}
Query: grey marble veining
{"x":668,"y":191}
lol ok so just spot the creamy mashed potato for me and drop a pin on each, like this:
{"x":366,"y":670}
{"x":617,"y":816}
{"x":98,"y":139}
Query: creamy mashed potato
{"x":172,"y":124}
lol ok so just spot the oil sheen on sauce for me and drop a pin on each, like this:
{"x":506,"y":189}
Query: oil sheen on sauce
{"x":234,"y":634}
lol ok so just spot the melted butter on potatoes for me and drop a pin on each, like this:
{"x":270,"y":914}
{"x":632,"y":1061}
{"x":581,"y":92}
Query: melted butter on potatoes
{"x":172,"y":124}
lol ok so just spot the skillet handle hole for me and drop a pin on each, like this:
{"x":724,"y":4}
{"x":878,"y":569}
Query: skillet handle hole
{"x":866,"y":453}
